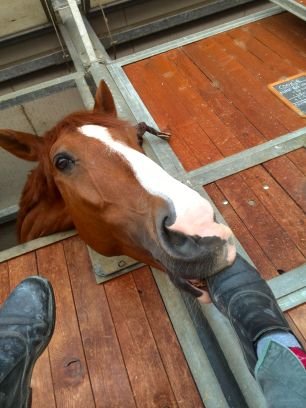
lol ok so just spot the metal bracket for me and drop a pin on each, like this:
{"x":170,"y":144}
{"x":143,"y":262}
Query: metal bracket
{"x":109,"y":267}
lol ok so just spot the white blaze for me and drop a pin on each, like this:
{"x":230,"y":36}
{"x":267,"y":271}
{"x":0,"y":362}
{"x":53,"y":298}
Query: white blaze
{"x":194,"y":214}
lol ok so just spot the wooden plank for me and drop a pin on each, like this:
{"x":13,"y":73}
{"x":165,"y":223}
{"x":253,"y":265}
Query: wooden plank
{"x":290,"y":177}
{"x":245,"y":237}
{"x":145,"y":90}
{"x":240,"y":126}
{"x":230,"y":73}
{"x":299,"y":159}
{"x":217,"y":135}
{"x":4,"y":282}
{"x":245,"y":40}
{"x":147,"y":375}
{"x":69,"y":371}
{"x":106,"y":368}
{"x":260,"y":30}
{"x":189,"y":129}
{"x":294,"y":34}
{"x":274,"y":241}
{"x":298,"y":316}
{"x":170,"y":351}
{"x":285,"y":211}
{"x":42,"y":388}
{"x":216,"y":68}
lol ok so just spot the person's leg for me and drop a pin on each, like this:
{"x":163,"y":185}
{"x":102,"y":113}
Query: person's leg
{"x":27,"y":321}
{"x":246,"y":299}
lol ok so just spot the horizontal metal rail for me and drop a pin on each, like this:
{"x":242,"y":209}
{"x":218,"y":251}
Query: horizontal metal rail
{"x":290,"y":281}
{"x":179,"y":17}
{"x":8,"y":214}
{"x":248,"y":158}
{"x":34,"y":64}
{"x":38,"y":91}
{"x":293,"y":6}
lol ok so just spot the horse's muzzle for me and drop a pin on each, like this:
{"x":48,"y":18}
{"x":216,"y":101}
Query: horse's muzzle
{"x":188,"y":257}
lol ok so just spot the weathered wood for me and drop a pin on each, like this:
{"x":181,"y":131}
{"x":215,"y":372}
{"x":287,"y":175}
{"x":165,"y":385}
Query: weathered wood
{"x":176,"y":114}
{"x":4,"y":282}
{"x":245,"y":237}
{"x":273,"y":60}
{"x":290,"y":177}
{"x":69,"y":369}
{"x":294,"y":35}
{"x":108,"y":376}
{"x":42,"y":387}
{"x":275,"y":242}
{"x":298,"y":316}
{"x":285,"y":211}
{"x":261,"y":31}
{"x":147,"y":375}
{"x":217,"y":71}
{"x":166,"y":340}
{"x":217,"y":134}
{"x":213,"y":96}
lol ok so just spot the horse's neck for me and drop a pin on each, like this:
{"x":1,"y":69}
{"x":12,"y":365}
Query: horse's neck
{"x":42,"y":210}
{"x":44,"y":219}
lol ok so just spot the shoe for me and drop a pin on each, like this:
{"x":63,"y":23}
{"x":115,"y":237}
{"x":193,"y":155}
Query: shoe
{"x":27,"y":320}
{"x":247,"y":301}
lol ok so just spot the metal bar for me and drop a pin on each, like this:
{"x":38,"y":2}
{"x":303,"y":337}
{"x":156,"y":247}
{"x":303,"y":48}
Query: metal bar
{"x":25,"y":35}
{"x":32,"y":65}
{"x":85,"y":6}
{"x":293,"y":6}
{"x":34,"y":244}
{"x":8,"y":214}
{"x":159,"y":49}
{"x":38,"y":91}
{"x":202,"y":370}
{"x":228,"y":341}
{"x":181,"y":16}
{"x":288,"y":282}
{"x":248,"y":158}
{"x":229,"y":386}
{"x":293,"y":299}
{"x":85,"y":93}
{"x":81,"y":29}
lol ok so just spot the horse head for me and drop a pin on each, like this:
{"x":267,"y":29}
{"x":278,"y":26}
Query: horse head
{"x":93,"y":175}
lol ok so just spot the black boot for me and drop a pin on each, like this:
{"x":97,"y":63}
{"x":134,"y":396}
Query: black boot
{"x":26,"y":326}
{"x":245,"y":298}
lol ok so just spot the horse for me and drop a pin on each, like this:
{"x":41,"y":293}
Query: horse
{"x":93,"y":175}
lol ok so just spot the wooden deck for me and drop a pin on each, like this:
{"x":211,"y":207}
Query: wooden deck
{"x":113,"y":344}
{"x":212,"y":96}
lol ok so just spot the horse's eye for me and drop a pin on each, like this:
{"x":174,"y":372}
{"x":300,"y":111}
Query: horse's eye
{"x":63,"y":162}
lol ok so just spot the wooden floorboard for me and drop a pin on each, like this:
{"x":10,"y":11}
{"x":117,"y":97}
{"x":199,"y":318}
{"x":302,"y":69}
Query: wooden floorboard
{"x":113,"y":345}
{"x":218,"y":87}
{"x":109,"y":378}
{"x":166,"y":341}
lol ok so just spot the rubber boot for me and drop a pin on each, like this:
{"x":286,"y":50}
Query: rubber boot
{"x":27,"y":321}
{"x":247,"y":301}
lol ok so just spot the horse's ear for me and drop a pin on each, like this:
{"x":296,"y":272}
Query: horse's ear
{"x":23,"y":145}
{"x":104,"y":101}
